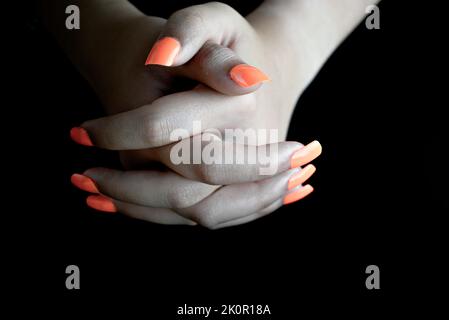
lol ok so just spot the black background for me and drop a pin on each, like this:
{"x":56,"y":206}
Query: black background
{"x":378,"y":192}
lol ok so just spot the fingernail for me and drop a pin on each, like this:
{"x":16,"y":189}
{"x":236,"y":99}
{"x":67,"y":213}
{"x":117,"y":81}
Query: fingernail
{"x":298,"y":194}
{"x":101,"y":203}
{"x":306,"y":154}
{"x":163,"y":52}
{"x":80,"y":135}
{"x":84,"y":183}
{"x":247,"y":76}
{"x":301,"y":176}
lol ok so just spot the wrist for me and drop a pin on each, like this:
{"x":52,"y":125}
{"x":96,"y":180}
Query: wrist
{"x":102,"y":25}
{"x":95,"y":52}
{"x":276,"y":24}
{"x":121,"y":65}
{"x":304,"y":33}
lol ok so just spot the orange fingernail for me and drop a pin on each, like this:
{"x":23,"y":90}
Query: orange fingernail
{"x":301,"y":176}
{"x":84,"y":183}
{"x":101,"y":203}
{"x":306,"y":154}
{"x":247,"y":76}
{"x":164,"y":52}
{"x":298,"y":194}
{"x":80,"y":135}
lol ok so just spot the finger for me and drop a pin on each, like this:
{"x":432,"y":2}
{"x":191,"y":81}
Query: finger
{"x":155,"y":215}
{"x":294,"y":194}
{"x":166,"y":120}
{"x":271,"y":208}
{"x":226,"y":206}
{"x":241,"y":200}
{"x":223,"y":162}
{"x":221,"y":69}
{"x":146,"y":188}
{"x":188,"y":29}
{"x":175,"y":191}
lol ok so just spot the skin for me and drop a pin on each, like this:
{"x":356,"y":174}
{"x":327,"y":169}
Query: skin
{"x":287,"y":40}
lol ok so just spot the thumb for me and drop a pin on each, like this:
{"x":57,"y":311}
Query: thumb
{"x":188,"y":29}
{"x":221,"y":69}
{"x":204,"y":32}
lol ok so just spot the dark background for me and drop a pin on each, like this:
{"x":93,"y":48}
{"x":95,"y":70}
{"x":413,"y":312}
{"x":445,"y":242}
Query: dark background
{"x":380,"y":192}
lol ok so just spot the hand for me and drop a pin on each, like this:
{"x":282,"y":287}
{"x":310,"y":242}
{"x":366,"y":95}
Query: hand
{"x":290,"y":40}
{"x":211,"y":65}
{"x":214,"y":38}
{"x":150,"y":126}
{"x":168,"y":198}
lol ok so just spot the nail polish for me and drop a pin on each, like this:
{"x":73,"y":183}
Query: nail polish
{"x":305,"y":154}
{"x":163,"y":52}
{"x":80,"y":135}
{"x":301,"y":176}
{"x":247,"y":76}
{"x":84,"y":183}
{"x":298,"y":194}
{"x":101,"y":203}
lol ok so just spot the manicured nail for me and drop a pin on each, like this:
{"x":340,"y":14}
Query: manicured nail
{"x":306,"y":154}
{"x":101,"y":203}
{"x":301,"y":176}
{"x":84,"y":183}
{"x":80,"y":135}
{"x":298,"y":194}
{"x":164,"y":52}
{"x":247,"y":76}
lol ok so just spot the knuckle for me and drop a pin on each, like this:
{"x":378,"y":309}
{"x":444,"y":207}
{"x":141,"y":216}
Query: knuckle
{"x":212,"y":55}
{"x":190,"y":18}
{"x":222,"y":7}
{"x":206,"y":219}
{"x":155,"y":131}
{"x":208,"y":174}
{"x":180,"y":197}
{"x":227,"y":10}
{"x":177,"y":201}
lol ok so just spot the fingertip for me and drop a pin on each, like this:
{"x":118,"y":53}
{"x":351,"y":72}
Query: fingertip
{"x":247,"y":76}
{"x":101,"y":203}
{"x":298,"y":194}
{"x":306,"y":154}
{"x":80,"y":136}
{"x":84,"y":183}
{"x":301,"y":176}
{"x":164,"y":52}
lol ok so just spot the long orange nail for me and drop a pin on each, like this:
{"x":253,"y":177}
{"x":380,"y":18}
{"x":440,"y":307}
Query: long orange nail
{"x":80,"y":135}
{"x":298,"y":194}
{"x":306,"y":154}
{"x":84,"y":183}
{"x":163,"y":52}
{"x":301,"y":176}
{"x":247,"y":76}
{"x":101,"y":203}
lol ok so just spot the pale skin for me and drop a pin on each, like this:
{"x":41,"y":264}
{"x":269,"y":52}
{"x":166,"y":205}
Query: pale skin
{"x":289,"y":40}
